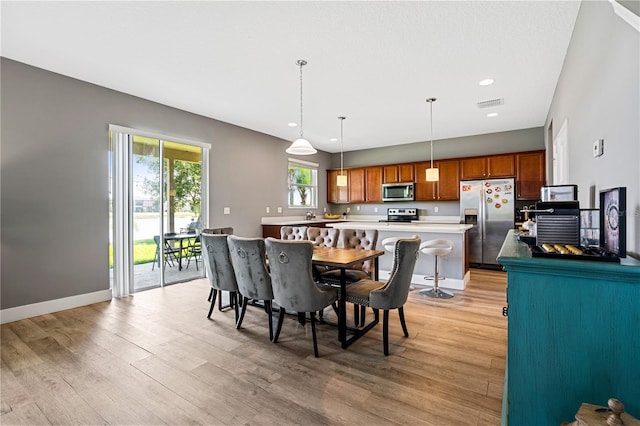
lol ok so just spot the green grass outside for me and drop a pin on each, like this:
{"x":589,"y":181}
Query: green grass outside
{"x":144,"y":251}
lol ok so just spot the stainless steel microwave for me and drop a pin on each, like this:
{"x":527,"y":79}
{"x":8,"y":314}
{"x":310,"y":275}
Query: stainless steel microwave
{"x":398,"y":191}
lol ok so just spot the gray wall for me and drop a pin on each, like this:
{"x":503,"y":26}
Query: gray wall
{"x":468,"y":146}
{"x":598,"y":94}
{"x":53,"y":178}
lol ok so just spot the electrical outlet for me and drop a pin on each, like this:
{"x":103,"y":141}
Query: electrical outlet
{"x":227,"y":210}
{"x":435,"y":209}
{"x":279,"y":209}
{"x":375,"y":210}
{"x":324,"y":210}
{"x":348,"y":209}
{"x":598,"y":148}
{"x":358,"y":208}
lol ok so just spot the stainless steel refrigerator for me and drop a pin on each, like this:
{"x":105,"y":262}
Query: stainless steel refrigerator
{"x":489,"y":205}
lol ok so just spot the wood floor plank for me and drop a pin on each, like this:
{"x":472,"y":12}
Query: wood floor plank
{"x":154,"y":358}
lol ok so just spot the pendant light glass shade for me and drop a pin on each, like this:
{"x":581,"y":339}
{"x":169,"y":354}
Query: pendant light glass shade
{"x":433,"y":174}
{"x":301,"y":146}
{"x":342,"y":178}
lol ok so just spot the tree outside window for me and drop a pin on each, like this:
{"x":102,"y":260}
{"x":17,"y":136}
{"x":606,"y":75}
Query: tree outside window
{"x":302,"y":186}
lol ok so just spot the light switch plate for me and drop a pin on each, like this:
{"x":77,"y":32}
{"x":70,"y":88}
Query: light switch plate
{"x":227,"y":210}
{"x":598,"y":147}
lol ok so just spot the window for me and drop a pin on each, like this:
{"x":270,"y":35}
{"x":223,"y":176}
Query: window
{"x":303,"y":184}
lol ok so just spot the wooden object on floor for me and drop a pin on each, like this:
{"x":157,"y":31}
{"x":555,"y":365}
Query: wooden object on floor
{"x":595,"y":415}
{"x":154,"y":358}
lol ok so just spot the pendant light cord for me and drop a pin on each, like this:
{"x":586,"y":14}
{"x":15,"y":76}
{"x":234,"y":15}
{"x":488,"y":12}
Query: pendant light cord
{"x":431,"y":101}
{"x":341,"y":147}
{"x":301,"y":62}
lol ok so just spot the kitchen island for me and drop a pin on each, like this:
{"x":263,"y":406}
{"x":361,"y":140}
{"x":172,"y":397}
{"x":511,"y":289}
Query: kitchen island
{"x":455,"y":266}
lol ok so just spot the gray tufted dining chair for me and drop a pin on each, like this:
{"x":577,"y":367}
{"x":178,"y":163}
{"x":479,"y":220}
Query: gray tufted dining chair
{"x":327,"y":237}
{"x":215,"y":251}
{"x":392,"y":294}
{"x":254,"y":281}
{"x":293,"y":232}
{"x":293,"y":286}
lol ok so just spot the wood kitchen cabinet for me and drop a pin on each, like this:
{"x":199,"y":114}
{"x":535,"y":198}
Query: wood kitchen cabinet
{"x":530,"y":174}
{"x":487,"y":167}
{"x":357,"y":185}
{"x":445,"y":189}
{"x":336,"y":194}
{"x":373,"y":184}
{"x":395,"y":173}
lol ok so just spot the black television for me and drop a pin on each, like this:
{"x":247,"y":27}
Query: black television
{"x":613,"y":220}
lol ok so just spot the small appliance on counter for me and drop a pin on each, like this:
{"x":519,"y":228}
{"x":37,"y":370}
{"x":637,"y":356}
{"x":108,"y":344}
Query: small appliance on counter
{"x":559,"y":193}
{"x":558,"y":234}
{"x":398,"y":215}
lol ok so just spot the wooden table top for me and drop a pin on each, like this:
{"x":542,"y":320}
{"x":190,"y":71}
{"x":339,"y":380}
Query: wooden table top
{"x":341,"y":257}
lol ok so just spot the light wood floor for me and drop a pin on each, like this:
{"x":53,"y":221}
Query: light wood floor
{"x":155,"y":358}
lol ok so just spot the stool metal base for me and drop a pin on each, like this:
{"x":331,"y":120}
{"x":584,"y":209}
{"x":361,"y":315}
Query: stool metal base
{"x":436,"y":293}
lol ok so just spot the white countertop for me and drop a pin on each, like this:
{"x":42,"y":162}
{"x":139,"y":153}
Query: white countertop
{"x":445,"y":228}
{"x":300,"y":220}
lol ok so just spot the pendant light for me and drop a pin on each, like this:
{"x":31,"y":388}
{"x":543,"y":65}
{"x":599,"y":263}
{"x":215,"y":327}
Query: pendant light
{"x":342,"y":178}
{"x":301,"y":146}
{"x":433,"y":174}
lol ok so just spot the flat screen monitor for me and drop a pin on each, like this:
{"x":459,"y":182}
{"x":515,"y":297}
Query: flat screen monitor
{"x":613,"y":220}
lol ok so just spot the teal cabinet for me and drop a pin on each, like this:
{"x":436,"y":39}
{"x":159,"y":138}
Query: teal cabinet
{"x":573,"y":335}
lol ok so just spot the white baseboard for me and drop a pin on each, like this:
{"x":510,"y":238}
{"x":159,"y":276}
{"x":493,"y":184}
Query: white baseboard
{"x":41,"y":308}
{"x":450,"y":283}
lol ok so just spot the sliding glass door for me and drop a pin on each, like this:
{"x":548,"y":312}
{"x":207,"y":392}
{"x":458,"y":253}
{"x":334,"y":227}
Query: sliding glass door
{"x":159,"y":193}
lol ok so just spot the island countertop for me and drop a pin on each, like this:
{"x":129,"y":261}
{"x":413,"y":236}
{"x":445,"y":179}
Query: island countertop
{"x":443,"y":228}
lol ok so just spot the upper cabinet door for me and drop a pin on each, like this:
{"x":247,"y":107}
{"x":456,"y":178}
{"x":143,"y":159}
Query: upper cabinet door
{"x":501,"y":166}
{"x":373,"y":185}
{"x":390,"y":174}
{"x":530,"y":175}
{"x":395,"y":173}
{"x":336,"y":194}
{"x":449,"y":182}
{"x":473,"y":168}
{"x":424,"y":191}
{"x":405,"y":171}
{"x":357,"y":185}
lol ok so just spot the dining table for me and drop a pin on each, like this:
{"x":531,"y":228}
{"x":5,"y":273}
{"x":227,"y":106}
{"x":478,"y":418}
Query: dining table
{"x":343,"y":259}
{"x":180,"y":238}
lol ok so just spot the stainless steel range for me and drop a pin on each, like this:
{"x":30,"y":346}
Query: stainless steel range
{"x":403,"y":215}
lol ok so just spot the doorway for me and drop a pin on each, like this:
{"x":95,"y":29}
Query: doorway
{"x":157,"y":209}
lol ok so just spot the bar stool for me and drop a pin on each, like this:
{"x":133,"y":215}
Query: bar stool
{"x":436,"y":248}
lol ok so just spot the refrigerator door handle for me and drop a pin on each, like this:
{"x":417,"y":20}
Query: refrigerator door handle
{"x":483,"y":210}
{"x":481,"y":222}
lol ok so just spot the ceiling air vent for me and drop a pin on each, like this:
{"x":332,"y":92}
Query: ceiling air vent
{"x":491,"y":103}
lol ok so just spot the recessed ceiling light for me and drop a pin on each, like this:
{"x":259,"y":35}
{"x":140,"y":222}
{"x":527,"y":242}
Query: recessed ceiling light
{"x":492,"y":114}
{"x":486,"y":82}
{"x":333,"y":140}
{"x":292,"y":124}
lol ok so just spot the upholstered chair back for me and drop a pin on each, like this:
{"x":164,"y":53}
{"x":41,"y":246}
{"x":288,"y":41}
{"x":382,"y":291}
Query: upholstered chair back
{"x":293,"y":233}
{"x":360,"y":239}
{"x":394,"y":293}
{"x":291,"y":277}
{"x":217,"y":260}
{"x":327,"y":237}
{"x":226,"y":230}
{"x":249,"y":263}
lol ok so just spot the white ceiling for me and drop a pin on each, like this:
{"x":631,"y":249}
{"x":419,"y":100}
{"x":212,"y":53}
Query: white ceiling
{"x":373,"y":62}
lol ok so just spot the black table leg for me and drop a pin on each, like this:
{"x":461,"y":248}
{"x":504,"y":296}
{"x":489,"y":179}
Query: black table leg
{"x":342,"y":314}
